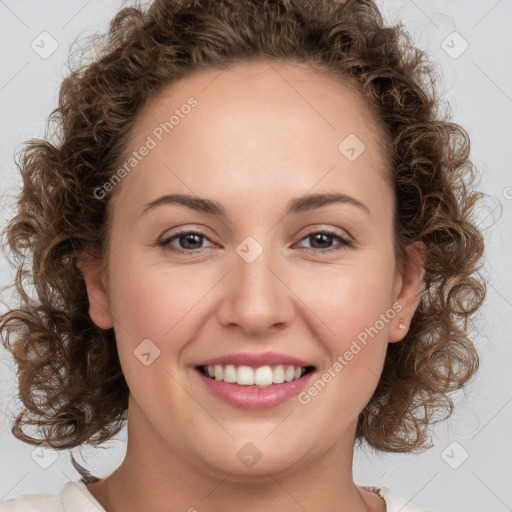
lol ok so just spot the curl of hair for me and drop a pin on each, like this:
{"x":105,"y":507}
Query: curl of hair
{"x":70,"y":379}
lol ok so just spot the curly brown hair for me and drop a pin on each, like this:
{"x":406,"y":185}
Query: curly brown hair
{"x":70,"y":378}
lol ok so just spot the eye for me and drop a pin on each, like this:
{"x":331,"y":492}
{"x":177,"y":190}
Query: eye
{"x":322,"y":241}
{"x":192,"y":241}
{"x":189,"y":241}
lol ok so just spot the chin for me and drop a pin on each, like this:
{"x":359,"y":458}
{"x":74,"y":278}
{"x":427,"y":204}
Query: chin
{"x":246,"y":460}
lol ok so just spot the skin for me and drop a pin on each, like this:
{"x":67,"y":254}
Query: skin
{"x":261,"y":134}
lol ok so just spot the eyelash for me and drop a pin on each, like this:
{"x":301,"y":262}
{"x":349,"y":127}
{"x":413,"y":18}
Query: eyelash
{"x":165,"y":244}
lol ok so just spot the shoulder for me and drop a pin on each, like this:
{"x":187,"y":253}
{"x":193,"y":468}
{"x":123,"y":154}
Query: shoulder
{"x":394,"y":502}
{"x":74,"y":497}
{"x":33,"y":502}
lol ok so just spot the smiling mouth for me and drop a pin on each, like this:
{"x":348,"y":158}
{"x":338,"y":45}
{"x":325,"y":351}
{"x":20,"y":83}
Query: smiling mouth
{"x":260,"y":377}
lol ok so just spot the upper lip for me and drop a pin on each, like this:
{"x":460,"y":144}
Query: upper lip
{"x":255,"y":360}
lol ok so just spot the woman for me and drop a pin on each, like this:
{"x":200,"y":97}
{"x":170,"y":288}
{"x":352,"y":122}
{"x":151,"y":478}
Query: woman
{"x":253,"y":242}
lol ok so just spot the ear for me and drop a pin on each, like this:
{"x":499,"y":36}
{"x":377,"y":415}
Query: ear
{"x":407,"y":290}
{"x":93,"y":272}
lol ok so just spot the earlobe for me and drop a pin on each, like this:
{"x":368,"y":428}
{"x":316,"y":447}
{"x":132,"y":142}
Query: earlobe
{"x":410,"y":284}
{"x":99,"y":308}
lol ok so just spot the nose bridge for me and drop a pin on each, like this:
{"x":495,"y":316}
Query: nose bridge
{"x":256,"y":298}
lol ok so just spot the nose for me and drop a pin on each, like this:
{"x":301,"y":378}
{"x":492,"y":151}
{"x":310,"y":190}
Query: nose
{"x":255,"y":297}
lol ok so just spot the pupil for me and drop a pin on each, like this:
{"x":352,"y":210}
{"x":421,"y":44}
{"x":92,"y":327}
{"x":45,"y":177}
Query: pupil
{"x":190,"y":238}
{"x":321,"y":238}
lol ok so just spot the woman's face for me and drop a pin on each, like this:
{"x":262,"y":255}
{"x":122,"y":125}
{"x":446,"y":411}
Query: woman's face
{"x":262,"y":269}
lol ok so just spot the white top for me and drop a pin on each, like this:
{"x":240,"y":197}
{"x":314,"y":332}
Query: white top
{"x":75,"y":497}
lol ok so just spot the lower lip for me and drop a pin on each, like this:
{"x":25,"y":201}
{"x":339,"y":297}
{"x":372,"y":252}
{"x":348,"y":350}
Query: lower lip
{"x":245,"y":397}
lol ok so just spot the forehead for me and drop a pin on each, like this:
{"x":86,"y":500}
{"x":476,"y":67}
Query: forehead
{"x":259,"y":121}
{"x":287,"y":90}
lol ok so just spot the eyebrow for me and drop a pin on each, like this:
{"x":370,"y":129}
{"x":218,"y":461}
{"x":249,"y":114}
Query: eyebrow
{"x":299,"y":204}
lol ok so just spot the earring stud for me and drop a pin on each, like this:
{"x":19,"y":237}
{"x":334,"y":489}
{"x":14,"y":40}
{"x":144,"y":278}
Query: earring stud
{"x":401,"y":325}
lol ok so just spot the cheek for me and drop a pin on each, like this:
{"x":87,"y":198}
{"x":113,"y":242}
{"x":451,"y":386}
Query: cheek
{"x":356,"y":342}
{"x":349,"y":300}
{"x":156,"y":302}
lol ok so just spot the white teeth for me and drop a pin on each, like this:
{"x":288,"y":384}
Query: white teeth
{"x":245,"y":376}
{"x":248,"y":376}
{"x":289,"y":374}
{"x":219,"y":372}
{"x":230,"y":373}
{"x":263,"y":376}
{"x":278,"y":374}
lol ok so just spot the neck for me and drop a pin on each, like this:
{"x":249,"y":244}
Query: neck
{"x":274,"y":495}
{"x":170,"y":480}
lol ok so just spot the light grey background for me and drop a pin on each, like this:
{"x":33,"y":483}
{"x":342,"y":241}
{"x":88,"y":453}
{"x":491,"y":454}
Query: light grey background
{"x":477,"y":85}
